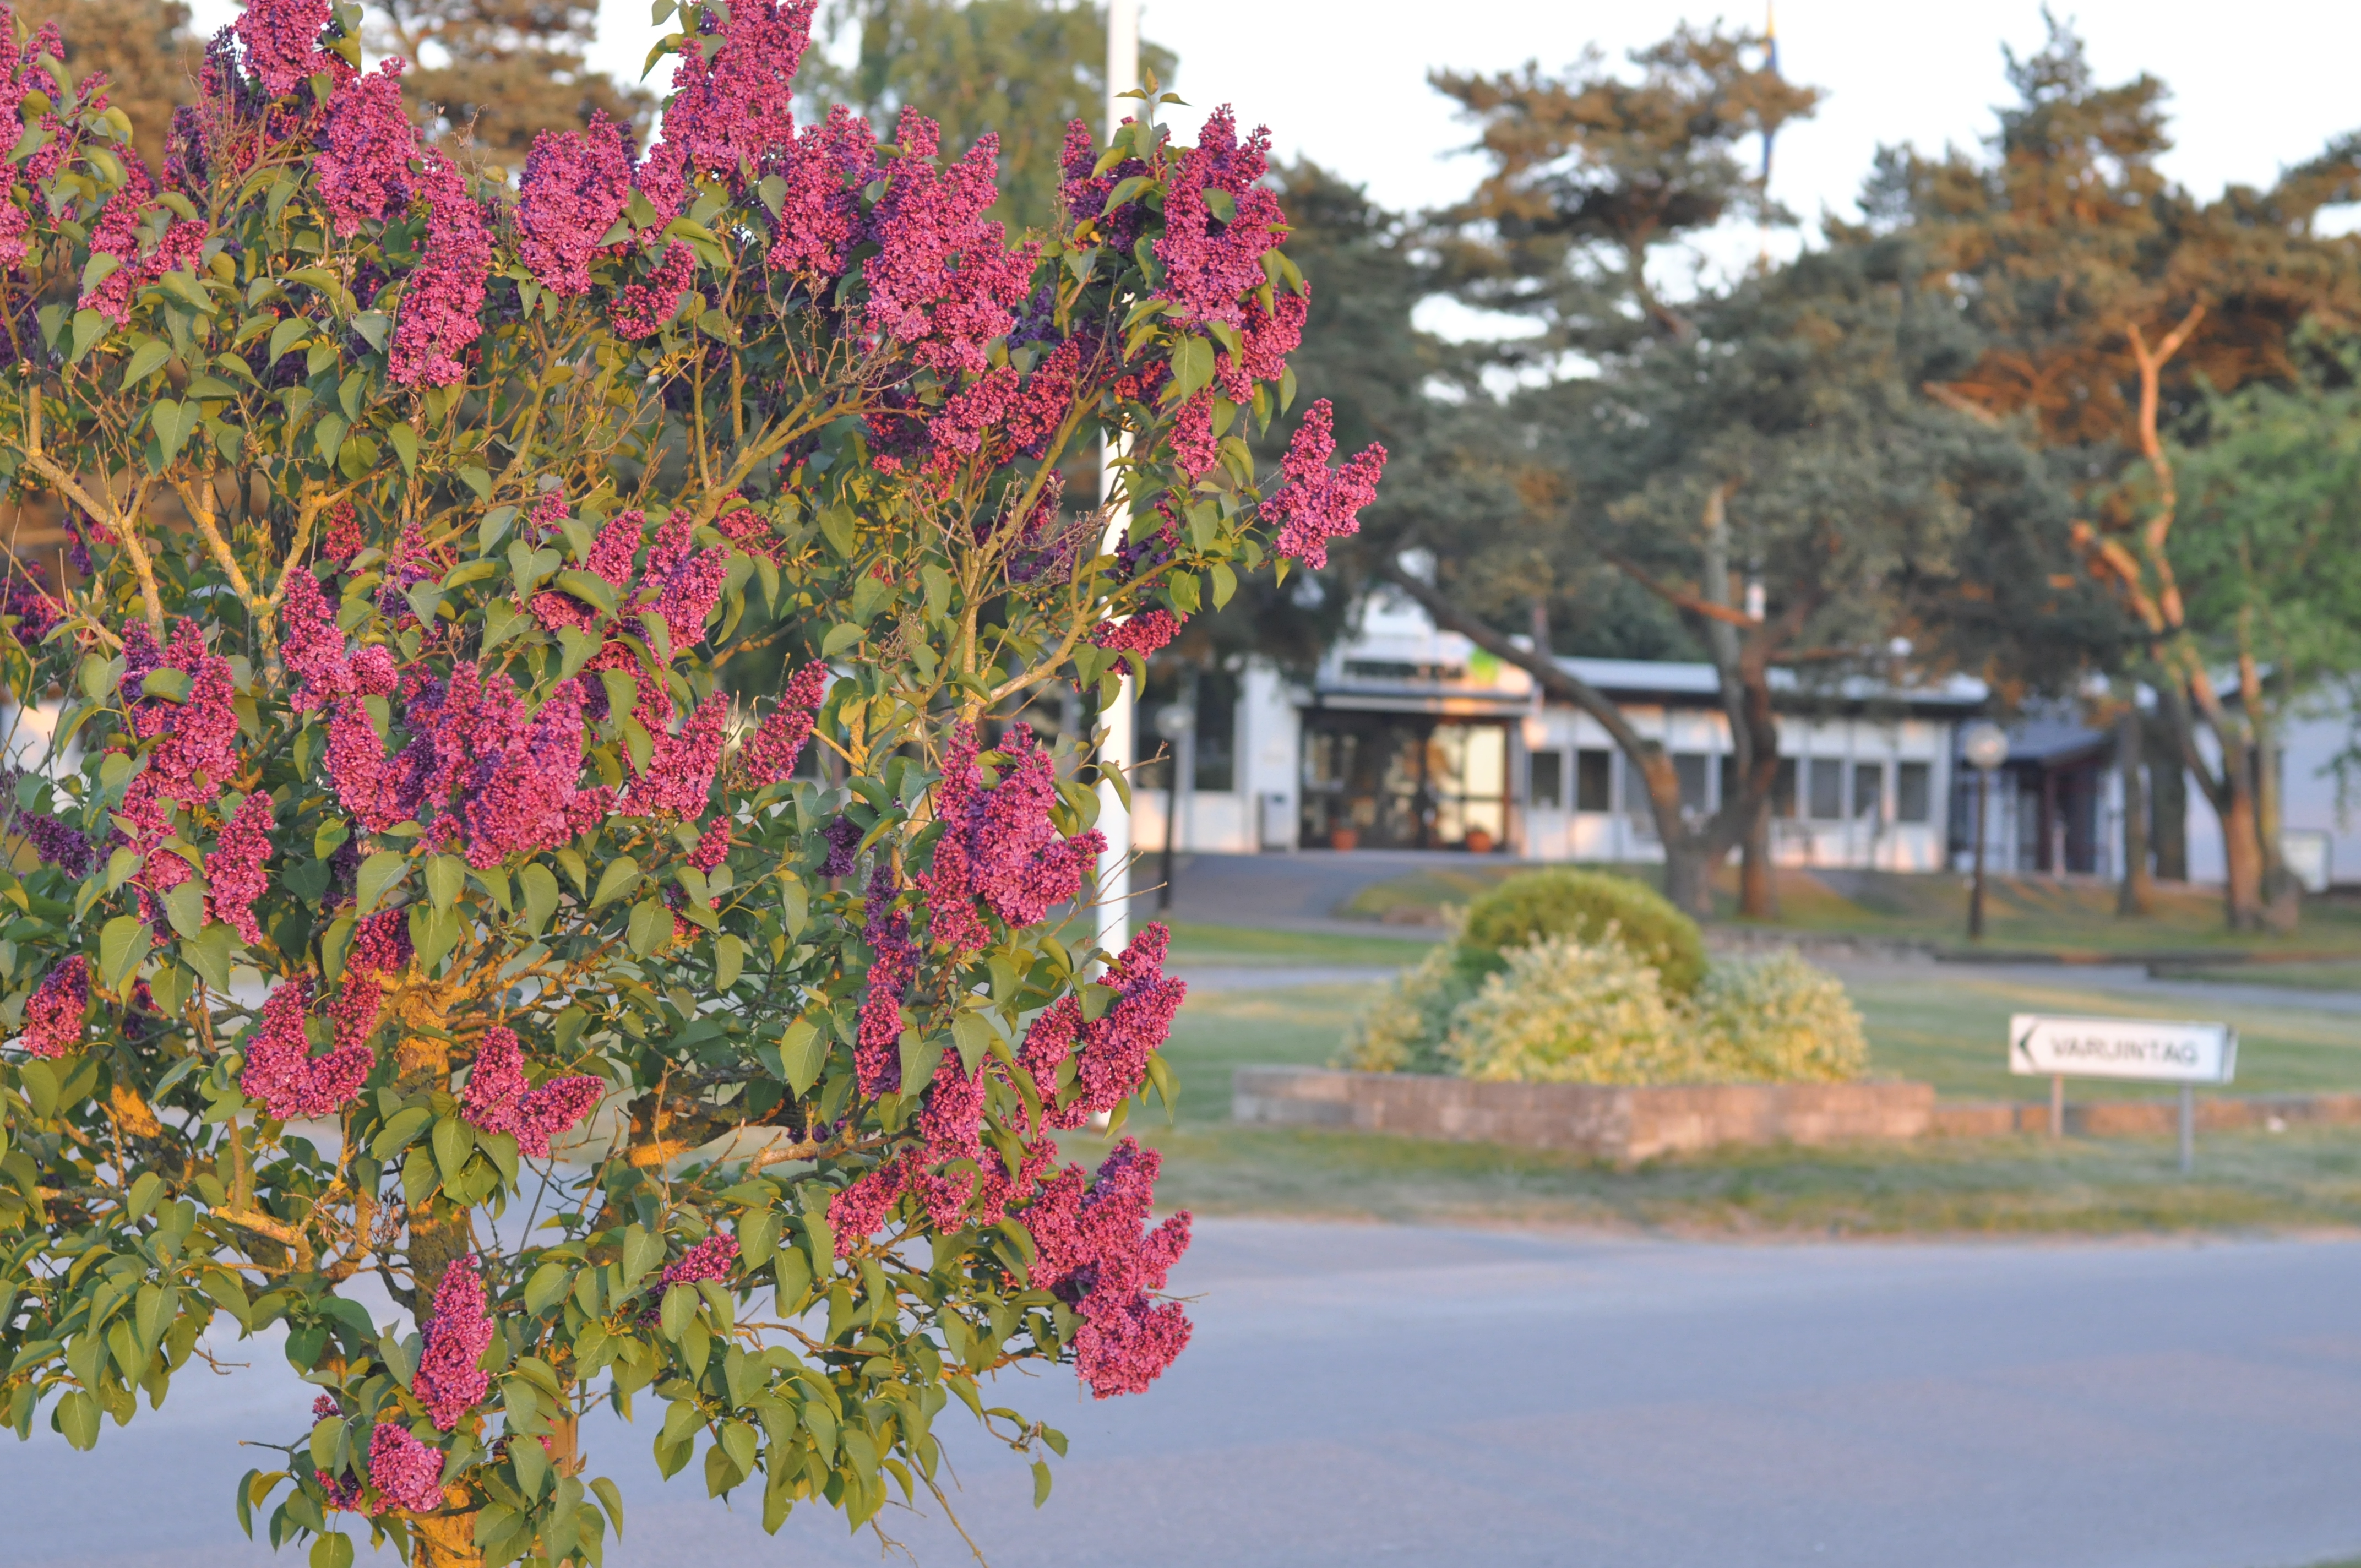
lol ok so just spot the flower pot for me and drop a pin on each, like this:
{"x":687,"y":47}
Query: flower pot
{"x":1344,"y":837}
{"x":1479,"y":842}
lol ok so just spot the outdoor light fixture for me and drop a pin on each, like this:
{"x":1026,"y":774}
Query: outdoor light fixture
{"x":1985,"y":746}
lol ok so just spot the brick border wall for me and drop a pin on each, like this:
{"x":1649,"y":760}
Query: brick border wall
{"x":1607,"y":1121}
{"x":2144,"y":1118}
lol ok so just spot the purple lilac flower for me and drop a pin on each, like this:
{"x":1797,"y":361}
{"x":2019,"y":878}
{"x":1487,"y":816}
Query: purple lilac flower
{"x":280,"y":1070}
{"x":733,"y":104}
{"x":235,"y":882}
{"x":1142,"y":634}
{"x":443,"y":303}
{"x":575,"y":186}
{"x":1213,"y":264}
{"x":407,"y":1472}
{"x":1093,"y":1251}
{"x":771,"y":753}
{"x":943,"y":283}
{"x":53,"y":1013}
{"x":282,"y":39}
{"x":380,"y":951}
{"x":1317,"y":503}
{"x":843,"y":836}
{"x":498,"y":1100}
{"x":644,"y":309}
{"x":819,"y":219}
{"x":448,"y":1382}
{"x":876,"y":1057}
{"x":712,"y":1259}
{"x":998,"y":844}
{"x":367,"y":144}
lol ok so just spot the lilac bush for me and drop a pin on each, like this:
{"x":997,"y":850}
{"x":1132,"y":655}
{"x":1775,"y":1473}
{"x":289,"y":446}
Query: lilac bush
{"x":413,"y":895}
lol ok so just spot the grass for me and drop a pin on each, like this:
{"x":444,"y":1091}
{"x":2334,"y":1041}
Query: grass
{"x":2022,"y":913}
{"x":1240,"y":947}
{"x":1943,"y":1026}
{"x":2291,"y":977}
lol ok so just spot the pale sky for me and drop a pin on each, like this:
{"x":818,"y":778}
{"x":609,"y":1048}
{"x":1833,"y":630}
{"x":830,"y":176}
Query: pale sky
{"x":2256,"y":85}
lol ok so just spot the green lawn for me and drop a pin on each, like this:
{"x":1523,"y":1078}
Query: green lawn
{"x":2333,"y":976}
{"x":1245,"y":946}
{"x":2031,"y":914}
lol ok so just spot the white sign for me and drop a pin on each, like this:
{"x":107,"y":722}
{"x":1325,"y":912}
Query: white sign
{"x":2122,"y":1047}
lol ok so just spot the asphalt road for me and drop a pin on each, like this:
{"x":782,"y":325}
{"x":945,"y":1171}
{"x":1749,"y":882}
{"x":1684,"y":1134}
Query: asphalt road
{"x":1362,"y":1393}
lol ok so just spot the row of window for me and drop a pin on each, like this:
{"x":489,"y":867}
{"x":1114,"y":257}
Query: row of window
{"x":1824,"y":796}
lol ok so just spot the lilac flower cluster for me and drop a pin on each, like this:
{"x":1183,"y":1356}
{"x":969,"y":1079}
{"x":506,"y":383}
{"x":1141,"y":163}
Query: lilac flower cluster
{"x":235,"y":882}
{"x":819,"y":219}
{"x":1317,"y":503}
{"x":770,"y":754}
{"x":498,"y":1100}
{"x":405,"y":1471}
{"x":712,"y":1259}
{"x":1115,"y":1048}
{"x":733,"y":104}
{"x":281,"y":39}
{"x":1083,"y":192}
{"x":942,"y":284}
{"x":312,"y":649}
{"x":844,"y":835}
{"x":748,"y":531}
{"x":644,"y":309}
{"x":194,"y":746}
{"x":448,"y":1382}
{"x":280,"y":1070}
{"x":1211,"y":263}
{"x":712,"y":845}
{"x":956,"y":1176}
{"x":21,"y":72}
{"x":443,"y":301}
{"x":380,"y":951}
{"x":366,"y":147}
{"x":1094,"y":1250}
{"x":998,"y":844}
{"x":1194,"y":442}
{"x":575,"y":186}
{"x":53,"y":1013}
{"x":678,"y":778}
{"x":26,"y":598}
{"x":1143,"y":634}
{"x":116,"y":234}
{"x":343,"y":541}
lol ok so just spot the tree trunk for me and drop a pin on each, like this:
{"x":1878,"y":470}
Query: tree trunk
{"x":2136,"y":896}
{"x":445,"y":1540}
{"x":2242,"y":856}
{"x":433,"y":1241}
{"x":1758,"y":887}
{"x":2282,"y":895}
{"x":1688,"y":874}
{"x":2167,"y":788}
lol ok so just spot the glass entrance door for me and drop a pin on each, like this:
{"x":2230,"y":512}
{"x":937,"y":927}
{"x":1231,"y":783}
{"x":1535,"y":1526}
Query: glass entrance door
{"x":1404,"y":782}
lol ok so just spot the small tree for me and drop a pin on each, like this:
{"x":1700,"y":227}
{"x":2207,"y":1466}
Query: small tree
{"x":403,"y":864}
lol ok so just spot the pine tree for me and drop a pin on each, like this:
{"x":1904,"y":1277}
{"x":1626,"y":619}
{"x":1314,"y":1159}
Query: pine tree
{"x":495,"y":73}
{"x":145,"y":48}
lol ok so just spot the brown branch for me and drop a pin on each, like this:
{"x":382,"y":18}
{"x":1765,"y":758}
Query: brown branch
{"x":1681,"y":598}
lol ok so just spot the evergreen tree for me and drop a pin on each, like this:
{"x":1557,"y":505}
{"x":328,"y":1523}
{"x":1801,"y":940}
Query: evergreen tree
{"x":145,"y":48}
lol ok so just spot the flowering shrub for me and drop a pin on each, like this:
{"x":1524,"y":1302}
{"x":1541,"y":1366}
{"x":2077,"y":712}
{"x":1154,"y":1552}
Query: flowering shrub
{"x":405,"y":848}
{"x":1778,"y":1019}
{"x":1567,"y":1011}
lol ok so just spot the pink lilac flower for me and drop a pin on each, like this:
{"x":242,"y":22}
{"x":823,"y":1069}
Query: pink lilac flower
{"x":644,"y":309}
{"x":1115,"y":1048}
{"x":312,"y":649}
{"x":117,"y":234}
{"x":444,"y":300}
{"x":367,"y":144}
{"x":679,"y":774}
{"x":618,"y":543}
{"x":1212,"y":264}
{"x":282,"y":39}
{"x":280,"y":1070}
{"x":770,"y":754}
{"x":820,"y":218}
{"x":344,"y":538}
{"x":688,"y":594}
{"x":735,"y":103}
{"x":15,"y":229}
{"x":712,"y":845}
{"x":1143,"y":634}
{"x":515,"y":798}
{"x":53,"y":1013}
{"x":876,"y":1055}
{"x":857,"y":1212}
{"x":749,"y":532}
{"x":405,"y":1470}
{"x":344,"y":1495}
{"x":957,"y":1175}
{"x":662,"y":178}
{"x":234,"y":881}
{"x":1093,"y":1251}
{"x":1265,"y":342}
{"x":943,"y":283}
{"x":575,"y":186}
{"x":448,"y":1382}
{"x":380,"y":952}
{"x":998,"y":844}
{"x":498,"y":1101}
{"x":1316,"y":503}
{"x":712,"y":1259}
{"x":1084,"y":193}
{"x":357,"y":768}
{"x":1194,"y":442}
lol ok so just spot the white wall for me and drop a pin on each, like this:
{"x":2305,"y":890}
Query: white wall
{"x":2310,"y":740}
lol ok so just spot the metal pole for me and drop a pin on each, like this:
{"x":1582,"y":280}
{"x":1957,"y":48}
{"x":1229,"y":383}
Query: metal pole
{"x":2187,"y":1128}
{"x":1114,"y":820}
{"x":1976,"y":894}
{"x":1171,"y":821}
{"x":2057,"y":1105}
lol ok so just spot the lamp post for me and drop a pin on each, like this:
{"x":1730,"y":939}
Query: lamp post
{"x":1173,"y":721}
{"x":1985,"y":746}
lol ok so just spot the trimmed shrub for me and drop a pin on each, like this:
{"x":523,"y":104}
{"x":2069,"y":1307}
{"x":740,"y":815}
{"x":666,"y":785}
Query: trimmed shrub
{"x":1589,"y":906}
{"x":1403,"y":1029}
{"x":1568,"y":1011}
{"x":1779,"y":1020}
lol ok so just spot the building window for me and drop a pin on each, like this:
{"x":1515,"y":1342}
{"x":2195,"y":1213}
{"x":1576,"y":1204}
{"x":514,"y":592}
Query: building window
{"x":1913,"y":791}
{"x":1545,"y":781}
{"x":1213,"y":741}
{"x":1825,"y":784}
{"x":1690,"y":768}
{"x":1869,"y":790}
{"x":1593,"y":781}
{"x":1783,"y":789}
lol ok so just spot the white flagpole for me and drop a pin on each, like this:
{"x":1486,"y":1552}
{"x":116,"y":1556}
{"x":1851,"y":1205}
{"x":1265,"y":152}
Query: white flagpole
{"x":1115,"y":819}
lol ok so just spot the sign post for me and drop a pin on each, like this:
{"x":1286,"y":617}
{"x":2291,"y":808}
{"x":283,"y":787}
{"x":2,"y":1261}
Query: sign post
{"x":2147,"y":1050}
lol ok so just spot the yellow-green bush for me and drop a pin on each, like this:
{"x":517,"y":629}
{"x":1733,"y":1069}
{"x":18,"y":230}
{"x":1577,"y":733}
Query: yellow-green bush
{"x":1591,"y":907}
{"x":1779,"y":1020}
{"x":1569,"y":1011}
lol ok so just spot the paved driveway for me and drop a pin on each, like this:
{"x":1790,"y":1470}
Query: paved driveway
{"x":1363,"y":1394}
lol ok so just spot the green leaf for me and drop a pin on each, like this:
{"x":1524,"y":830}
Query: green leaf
{"x":145,"y":361}
{"x":1040,"y":1483}
{"x":758,"y":1237}
{"x":549,"y":1282}
{"x":577,"y":647}
{"x":185,"y":907}
{"x":838,"y":524}
{"x":335,"y":1550}
{"x":454,"y":1142}
{"x":373,"y":325}
{"x":540,"y":896}
{"x":446,"y":878}
{"x":609,"y":1498}
{"x":328,"y":435}
{"x":1226,"y":583}
{"x":1193,"y":367}
{"x":728,"y":960}
{"x":378,"y":875}
{"x":171,"y":686}
{"x":405,"y":446}
{"x":143,"y":1194}
{"x":397,"y":1132}
{"x":78,"y":1420}
{"x":621,"y":875}
{"x":121,"y":945}
{"x":589,"y":587}
{"x":171,"y":423}
{"x":802,"y":1053}
{"x":651,"y":927}
{"x":285,"y":337}
{"x":212,"y":954}
{"x":89,"y":326}
{"x":844,"y":634}
{"x":642,"y":1251}
{"x":479,"y":480}
{"x":532,"y":1462}
{"x":679,"y":1306}
{"x":973,"y":1034}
